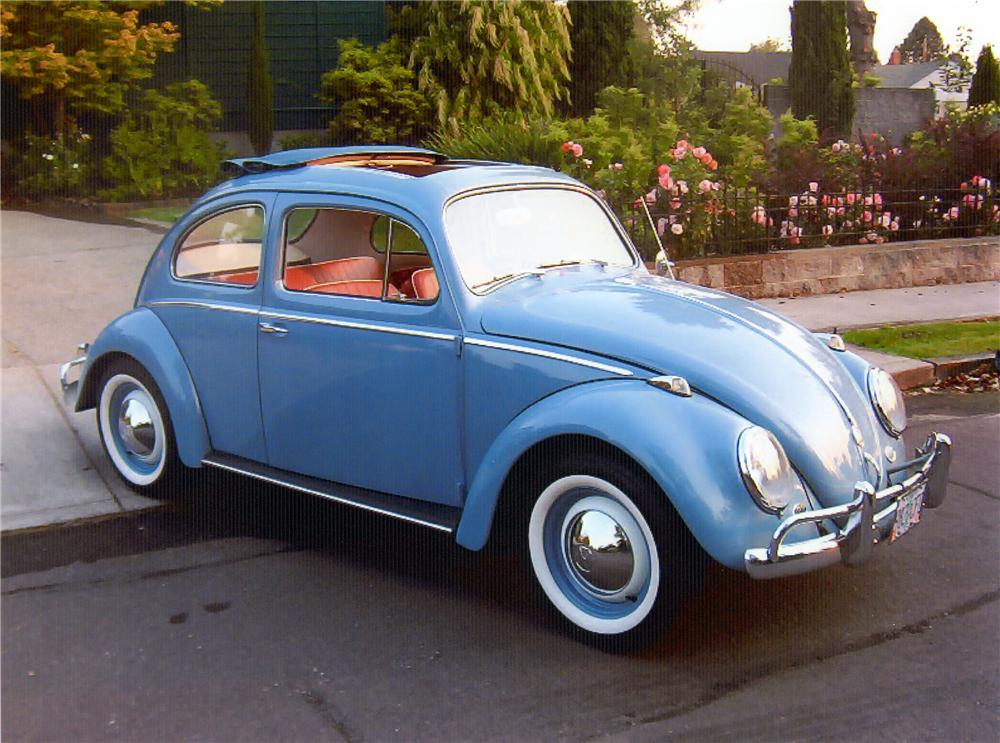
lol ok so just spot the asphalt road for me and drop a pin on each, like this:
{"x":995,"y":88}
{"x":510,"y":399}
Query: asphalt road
{"x":245,"y":613}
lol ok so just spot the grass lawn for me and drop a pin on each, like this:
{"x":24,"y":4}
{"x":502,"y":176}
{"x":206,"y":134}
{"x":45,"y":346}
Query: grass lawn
{"x":165,"y":214}
{"x":932,"y":340}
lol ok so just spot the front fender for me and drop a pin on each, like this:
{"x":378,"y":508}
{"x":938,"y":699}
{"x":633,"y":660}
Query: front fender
{"x":687,"y":445}
{"x":141,"y":335}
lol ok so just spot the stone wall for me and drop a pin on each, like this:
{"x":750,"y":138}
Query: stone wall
{"x":892,"y":112}
{"x":793,"y":273}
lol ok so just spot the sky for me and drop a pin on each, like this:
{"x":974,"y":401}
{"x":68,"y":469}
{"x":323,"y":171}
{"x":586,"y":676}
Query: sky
{"x":732,"y":25}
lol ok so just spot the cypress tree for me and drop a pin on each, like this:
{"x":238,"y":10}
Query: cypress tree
{"x":600,"y":34}
{"x":260,"y":89}
{"x":820,"y":75}
{"x":986,"y":82}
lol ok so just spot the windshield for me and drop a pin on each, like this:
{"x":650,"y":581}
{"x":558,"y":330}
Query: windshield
{"x":502,"y":235}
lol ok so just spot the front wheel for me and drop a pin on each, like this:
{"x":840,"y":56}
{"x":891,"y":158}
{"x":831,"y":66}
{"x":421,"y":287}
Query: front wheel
{"x":609,"y":553}
{"x":135,"y":429}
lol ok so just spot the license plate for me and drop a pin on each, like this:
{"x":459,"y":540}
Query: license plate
{"x":907,"y":513}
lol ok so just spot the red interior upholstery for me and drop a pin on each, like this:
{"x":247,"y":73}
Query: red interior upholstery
{"x":354,"y":288}
{"x":340,"y":269}
{"x":425,"y":284}
{"x":246,"y":277}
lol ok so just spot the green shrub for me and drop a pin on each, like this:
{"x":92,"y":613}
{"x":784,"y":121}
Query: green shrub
{"x":507,"y":137}
{"x":54,"y":167}
{"x":302,"y":140}
{"x":163,"y":148}
{"x":377,"y":95}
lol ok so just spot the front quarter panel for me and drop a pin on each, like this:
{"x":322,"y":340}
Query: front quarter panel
{"x":141,"y":335}
{"x":687,"y":444}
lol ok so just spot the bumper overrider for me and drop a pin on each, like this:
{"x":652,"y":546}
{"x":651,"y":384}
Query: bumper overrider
{"x":870,"y":518}
{"x":70,"y":389}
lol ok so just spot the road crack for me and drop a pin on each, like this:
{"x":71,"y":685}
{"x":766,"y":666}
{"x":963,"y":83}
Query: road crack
{"x":724,"y":688}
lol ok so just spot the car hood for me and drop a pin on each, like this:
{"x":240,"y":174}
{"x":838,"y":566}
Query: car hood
{"x":771,"y":371}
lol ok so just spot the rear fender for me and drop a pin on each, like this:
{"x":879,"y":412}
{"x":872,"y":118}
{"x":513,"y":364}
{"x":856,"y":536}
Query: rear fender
{"x":686,"y":444}
{"x":141,"y":335}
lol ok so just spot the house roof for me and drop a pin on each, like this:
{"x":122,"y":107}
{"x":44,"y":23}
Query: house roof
{"x":904,"y":75}
{"x":758,"y":68}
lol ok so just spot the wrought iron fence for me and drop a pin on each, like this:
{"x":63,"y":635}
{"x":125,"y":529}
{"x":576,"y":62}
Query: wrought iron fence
{"x":734,"y":221}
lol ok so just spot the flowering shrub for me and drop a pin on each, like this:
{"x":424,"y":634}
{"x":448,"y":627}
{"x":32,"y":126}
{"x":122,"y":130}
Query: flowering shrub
{"x":54,"y":167}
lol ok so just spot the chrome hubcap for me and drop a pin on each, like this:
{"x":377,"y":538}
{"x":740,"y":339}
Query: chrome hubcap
{"x":599,"y":553}
{"x":135,"y":427}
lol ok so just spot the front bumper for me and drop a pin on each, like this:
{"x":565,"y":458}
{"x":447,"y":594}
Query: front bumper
{"x":71,"y":389}
{"x":867,"y":520}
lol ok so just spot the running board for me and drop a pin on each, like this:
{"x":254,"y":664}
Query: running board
{"x":425,"y":513}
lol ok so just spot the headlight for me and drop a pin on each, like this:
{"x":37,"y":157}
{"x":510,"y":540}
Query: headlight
{"x":765,"y":469}
{"x":887,"y":399}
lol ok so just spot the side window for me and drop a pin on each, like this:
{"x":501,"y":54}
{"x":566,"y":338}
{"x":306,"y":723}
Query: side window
{"x":344,"y":252}
{"x":224,"y":248}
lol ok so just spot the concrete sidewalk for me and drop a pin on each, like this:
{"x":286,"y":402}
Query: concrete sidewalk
{"x":64,"y":280}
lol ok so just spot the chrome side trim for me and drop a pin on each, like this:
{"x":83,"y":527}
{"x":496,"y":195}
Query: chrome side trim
{"x":328,"y":496}
{"x":864,"y":526}
{"x":202,"y":306}
{"x":355,"y":325}
{"x":549,"y":355}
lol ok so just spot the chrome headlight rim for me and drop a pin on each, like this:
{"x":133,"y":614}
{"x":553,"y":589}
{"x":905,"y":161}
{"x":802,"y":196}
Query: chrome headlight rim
{"x":876,"y":375}
{"x":765,"y":497}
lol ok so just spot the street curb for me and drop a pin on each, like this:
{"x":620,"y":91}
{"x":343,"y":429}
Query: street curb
{"x":950,"y":366}
{"x":80,"y":521}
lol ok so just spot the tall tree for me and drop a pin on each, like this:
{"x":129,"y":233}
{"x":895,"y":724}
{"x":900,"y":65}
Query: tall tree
{"x":67,"y":57}
{"x":986,"y":82}
{"x":923,"y":43}
{"x":475,"y":58}
{"x":600,"y":35}
{"x":260,"y":89}
{"x":820,"y":75}
{"x":861,"y":29}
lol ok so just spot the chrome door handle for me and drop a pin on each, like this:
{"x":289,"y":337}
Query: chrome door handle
{"x":266,"y":327}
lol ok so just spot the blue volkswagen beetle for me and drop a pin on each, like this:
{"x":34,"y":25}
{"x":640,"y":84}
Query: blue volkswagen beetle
{"x":477,"y":348}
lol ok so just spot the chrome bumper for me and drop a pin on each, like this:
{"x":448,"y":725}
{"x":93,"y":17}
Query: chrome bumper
{"x":70,"y":388}
{"x":868,"y":519}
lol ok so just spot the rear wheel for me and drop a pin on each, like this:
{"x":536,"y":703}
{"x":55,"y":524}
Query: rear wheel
{"x":135,"y":429}
{"x":609,"y":553}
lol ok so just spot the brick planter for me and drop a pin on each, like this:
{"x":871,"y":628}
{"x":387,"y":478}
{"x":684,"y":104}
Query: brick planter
{"x":794,"y":273}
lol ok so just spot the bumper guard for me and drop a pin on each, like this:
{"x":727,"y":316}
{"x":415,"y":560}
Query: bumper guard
{"x":70,"y":389}
{"x":868,"y":519}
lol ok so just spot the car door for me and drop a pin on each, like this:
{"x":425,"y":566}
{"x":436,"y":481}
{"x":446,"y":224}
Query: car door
{"x":359,"y":381}
{"x":210,"y":304}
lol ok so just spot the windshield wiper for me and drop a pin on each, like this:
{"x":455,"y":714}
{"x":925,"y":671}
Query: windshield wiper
{"x":575,"y":262}
{"x":504,"y":277}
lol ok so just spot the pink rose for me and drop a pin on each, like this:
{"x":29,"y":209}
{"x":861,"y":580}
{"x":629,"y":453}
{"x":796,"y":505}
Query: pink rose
{"x":661,"y":226}
{"x":705,"y":186}
{"x":878,"y":199}
{"x":698,"y":152}
{"x":677,"y":229}
{"x":827,"y":230}
{"x":793,"y":212}
{"x":675,"y":203}
{"x":813,"y":186}
{"x":577,"y":149}
{"x":867,"y":216}
{"x":666,"y":181}
{"x":651,"y":197}
{"x":663,"y":169}
{"x":682,"y":144}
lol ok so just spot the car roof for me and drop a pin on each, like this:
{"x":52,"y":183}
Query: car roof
{"x":411,"y":176}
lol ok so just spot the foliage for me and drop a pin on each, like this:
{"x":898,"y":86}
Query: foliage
{"x":986,"y":82}
{"x":377,"y":95}
{"x":662,"y":59}
{"x":67,"y":57}
{"x":600,"y":35}
{"x":820,"y":73}
{"x":770,"y":44}
{"x":475,"y":59}
{"x":961,"y":144}
{"x":301,"y":140}
{"x":58,"y":166}
{"x":163,"y":148}
{"x":165,"y":214}
{"x":507,"y":137}
{"x":260,"y":89}
{"x":957,"y":72}
{"x":739,"y":140}
{"x":923,"y":32}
